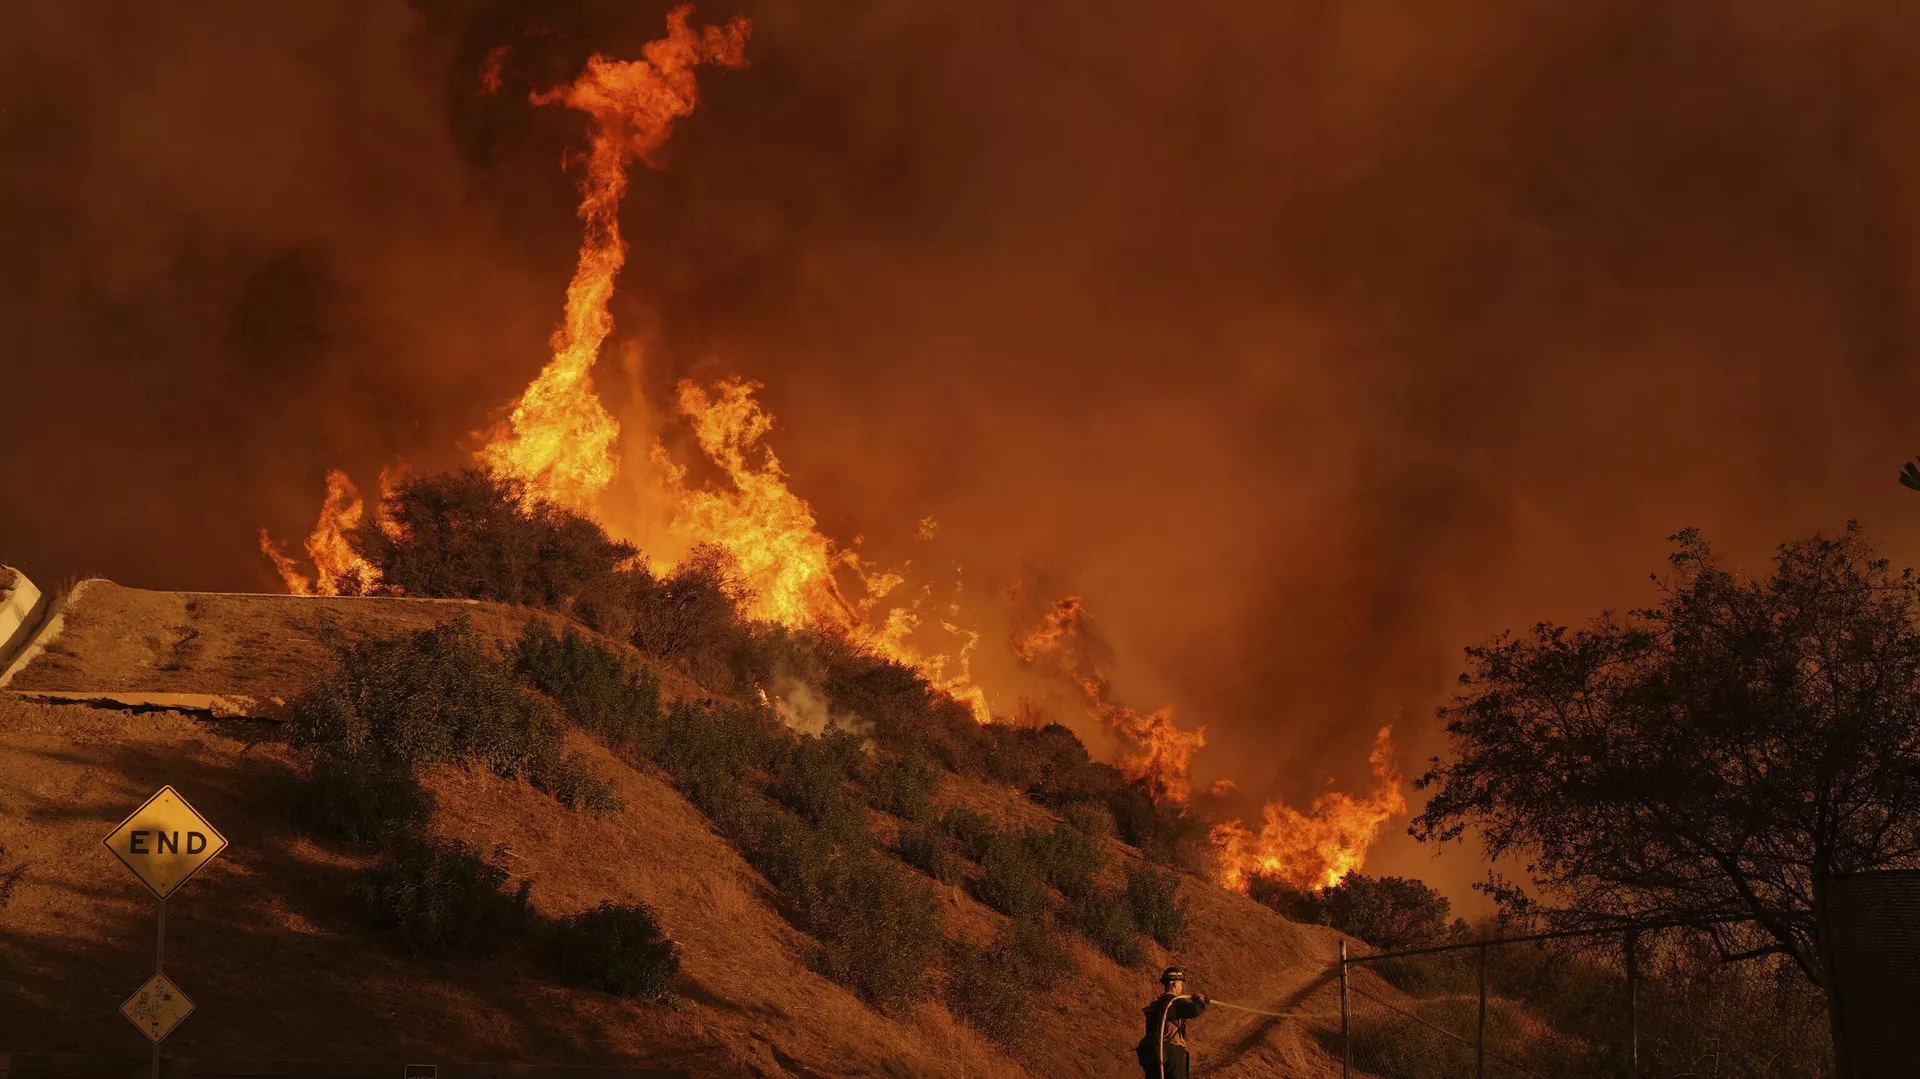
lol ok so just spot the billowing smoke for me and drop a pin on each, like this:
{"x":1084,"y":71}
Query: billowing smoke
{"x":1306,"y":341}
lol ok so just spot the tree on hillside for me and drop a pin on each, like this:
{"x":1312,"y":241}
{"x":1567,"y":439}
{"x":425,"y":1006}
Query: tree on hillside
{"x":475,"y":534}
{"x":1716,"y":757}
{"x":1389,"y":913}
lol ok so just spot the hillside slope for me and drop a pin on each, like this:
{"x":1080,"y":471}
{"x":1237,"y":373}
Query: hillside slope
{"x":271,"y":945}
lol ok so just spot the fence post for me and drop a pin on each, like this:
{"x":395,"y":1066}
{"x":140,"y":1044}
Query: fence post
{"x":1480,"y":1040}
{"x":1346,"y":1024}
{"x":1633,"y":1004}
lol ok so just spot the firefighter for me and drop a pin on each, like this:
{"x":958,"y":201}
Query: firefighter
{"x":1163,"y":1050}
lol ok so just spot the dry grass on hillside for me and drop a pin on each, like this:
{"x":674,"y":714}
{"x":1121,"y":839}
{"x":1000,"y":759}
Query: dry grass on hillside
{"x":270,"y":944}
{"x":259,"y":646}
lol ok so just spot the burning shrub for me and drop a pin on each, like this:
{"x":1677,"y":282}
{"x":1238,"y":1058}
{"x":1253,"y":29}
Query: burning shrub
{"x":879,"y":929}
{"x":903,"y":786}
{"x":908,"y":716}
{"x":932,"y":853}
{"x":364,"y":798}
{"x":473,"y":534}
{"x":618,"y":701}
{"x":1154,"y":898}
{"x":444,"y":900}
{"x":1025,"y":953}
{"x":618,"y":948}
{"x":972,"y":829}
{"x":1106,"y":921}
{"x":1012,"y":880}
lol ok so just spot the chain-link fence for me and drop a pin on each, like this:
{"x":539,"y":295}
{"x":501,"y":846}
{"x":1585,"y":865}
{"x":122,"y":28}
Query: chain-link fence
{"x":1703,"y":999}
{"x":1451,"y":1011}
{"x":1600,"y":1004}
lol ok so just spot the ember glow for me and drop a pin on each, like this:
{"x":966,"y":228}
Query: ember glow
{"x":1318,"y":848}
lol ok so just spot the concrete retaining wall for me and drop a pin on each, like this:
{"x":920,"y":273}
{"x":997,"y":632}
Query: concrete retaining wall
{"x":21,"y":609}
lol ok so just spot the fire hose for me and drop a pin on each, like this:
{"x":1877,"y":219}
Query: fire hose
{"x":1256,"y":1011}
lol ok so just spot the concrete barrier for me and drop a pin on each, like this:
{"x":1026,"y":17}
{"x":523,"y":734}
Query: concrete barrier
{"x":22,"y":608}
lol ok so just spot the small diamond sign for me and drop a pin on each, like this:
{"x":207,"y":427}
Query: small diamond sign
{"x":165,"y":842}
{"x":157,"y":1008}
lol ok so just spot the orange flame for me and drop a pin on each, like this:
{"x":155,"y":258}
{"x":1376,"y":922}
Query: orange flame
{"x":783,"y":558}
{"x":559,"y":439}
{"x":1318,"y":848}
{"x":770,"y":531}
{"x":1154,"y":748}
{"x":337,"y":568}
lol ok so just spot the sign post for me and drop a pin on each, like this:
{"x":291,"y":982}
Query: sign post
{"x":164,"y":842}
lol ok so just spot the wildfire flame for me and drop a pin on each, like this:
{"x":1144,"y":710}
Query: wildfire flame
{"x":563,"y":444}
{"x":770,"y":531}
{"x":1154,"y":748}
{"x":559,"y":439}
{"x":1318,"y":848}
{"x":336,"y":567}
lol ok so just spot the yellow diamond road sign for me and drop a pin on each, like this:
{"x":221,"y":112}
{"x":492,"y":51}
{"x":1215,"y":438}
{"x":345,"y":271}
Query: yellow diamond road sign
{"x":157,"y":1008}
{"x":165,"y":842}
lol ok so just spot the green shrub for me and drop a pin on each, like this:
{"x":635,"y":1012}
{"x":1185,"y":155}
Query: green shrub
{"x":1105,"y":920}
{"x":1070,"y":861}
{"x":811,"y":779}
{"x":904,"y":787}
{"x":986,"y":987}
{"x":1445,"y":974}
{"x":1165,"y":832}
{"x":616,"y":948}
{"x":364,"y":798}
{"x":1090,"y":819}
{"x":444,"y":900}
{"x":1036,"y":953}
{"x":932,"y":853}
{"x":618,"y":701}
{"x":1158,"y":910}
{"x":1011,"y":880}
{"x":691,"y":617}
{"x":700,"y":741}
{"x":434,"y":695}
{"x":791,"y":853}
{"x":1015,"y":756}
{"x":1389,"y":913}
{"x":879,"y":929}
{"x":573,"y":784}
{"x":970,"y":828}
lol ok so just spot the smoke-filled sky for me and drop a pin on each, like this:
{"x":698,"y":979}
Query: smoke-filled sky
{"x":1309,"y":341}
